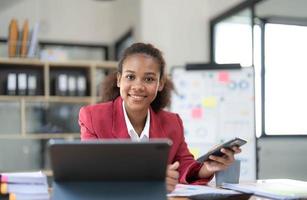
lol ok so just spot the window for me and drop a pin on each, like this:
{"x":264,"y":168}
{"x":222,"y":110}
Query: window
{"x":233,"y":40}
{"x":285,"y":97}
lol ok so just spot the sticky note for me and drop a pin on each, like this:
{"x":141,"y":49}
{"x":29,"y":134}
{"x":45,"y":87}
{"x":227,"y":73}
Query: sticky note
{"x":3,"y":188}
{"x":209,"y":102}
{"x":223,"y":77}
{"x":197,"y":113}
{"x":195,"y":152}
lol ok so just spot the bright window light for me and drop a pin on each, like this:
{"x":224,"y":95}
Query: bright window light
{"x":233,"y":43}
{"x":285,"y":79}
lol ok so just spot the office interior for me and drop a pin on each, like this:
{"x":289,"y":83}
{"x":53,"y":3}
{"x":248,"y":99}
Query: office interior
{"x":186,"y":32}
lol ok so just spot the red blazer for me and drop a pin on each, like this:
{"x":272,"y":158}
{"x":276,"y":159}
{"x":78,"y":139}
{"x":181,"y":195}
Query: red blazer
{"x":106,"y":121}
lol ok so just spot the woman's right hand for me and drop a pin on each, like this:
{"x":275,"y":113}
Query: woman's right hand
{"x":172,"y":176}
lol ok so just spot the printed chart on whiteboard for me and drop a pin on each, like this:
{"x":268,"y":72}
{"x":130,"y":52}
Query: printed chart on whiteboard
{"x":217,"y":105}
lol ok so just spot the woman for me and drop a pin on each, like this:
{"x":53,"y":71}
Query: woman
{"x":134,"y":99}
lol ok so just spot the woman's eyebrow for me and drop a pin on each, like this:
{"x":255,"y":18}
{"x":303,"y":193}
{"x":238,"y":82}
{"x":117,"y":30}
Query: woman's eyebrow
{"x":129,"y":71}
{"x":150,"y":73}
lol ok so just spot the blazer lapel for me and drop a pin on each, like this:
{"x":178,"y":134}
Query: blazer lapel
{"x":119,"y":128}
{"x":155,"y":130}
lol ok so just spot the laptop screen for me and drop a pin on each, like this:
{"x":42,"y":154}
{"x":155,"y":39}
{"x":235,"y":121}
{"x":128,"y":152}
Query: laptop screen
{"x":109,"y":160}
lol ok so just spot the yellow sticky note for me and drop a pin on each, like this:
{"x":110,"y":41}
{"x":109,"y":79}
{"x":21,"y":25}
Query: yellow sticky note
{"x":3,"y":188}
{"x":195,"y":152}
{"x":209,"y":102}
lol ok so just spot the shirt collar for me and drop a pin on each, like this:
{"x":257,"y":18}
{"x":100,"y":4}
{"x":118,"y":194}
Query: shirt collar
{"x":133,"y":134}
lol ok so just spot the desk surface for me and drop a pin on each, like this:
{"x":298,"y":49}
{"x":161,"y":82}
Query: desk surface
{"x":251,"y":198}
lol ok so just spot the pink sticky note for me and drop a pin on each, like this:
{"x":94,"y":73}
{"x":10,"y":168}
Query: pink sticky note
{"x":197,"y":113}
{"x":224,"y":77}
{"x":4,"y":179}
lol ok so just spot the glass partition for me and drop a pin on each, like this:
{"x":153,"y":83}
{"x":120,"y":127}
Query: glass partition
{"x":10,"y":120}
{"x":44,"y":117}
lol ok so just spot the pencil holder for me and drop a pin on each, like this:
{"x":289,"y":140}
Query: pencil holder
{"x":229,"y":175}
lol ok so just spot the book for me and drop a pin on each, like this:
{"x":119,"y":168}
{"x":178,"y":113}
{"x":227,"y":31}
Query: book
{"x":23,"y":177}
{"x":24,"y":39}
{"x":272,"y":188}
{"x":20,"y":196}
{"x":24,"y":186}
{"x":33,"y":41}
{"x":13,"y":38}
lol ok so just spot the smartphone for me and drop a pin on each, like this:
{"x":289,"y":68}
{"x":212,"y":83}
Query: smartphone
{"x":216,"y":151}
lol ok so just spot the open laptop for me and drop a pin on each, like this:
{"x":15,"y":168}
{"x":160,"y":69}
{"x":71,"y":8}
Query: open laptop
{"x":109,"y":169}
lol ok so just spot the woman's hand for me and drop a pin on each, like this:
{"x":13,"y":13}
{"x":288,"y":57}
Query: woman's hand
{"x":172,"y":176}
{"x":218,"y":163}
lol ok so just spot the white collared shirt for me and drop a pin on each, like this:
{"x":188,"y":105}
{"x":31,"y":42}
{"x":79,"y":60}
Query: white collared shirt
{"x":133,"y":134}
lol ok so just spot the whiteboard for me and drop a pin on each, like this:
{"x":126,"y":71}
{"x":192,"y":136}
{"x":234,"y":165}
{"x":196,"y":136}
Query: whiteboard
{"x":217,"y":105}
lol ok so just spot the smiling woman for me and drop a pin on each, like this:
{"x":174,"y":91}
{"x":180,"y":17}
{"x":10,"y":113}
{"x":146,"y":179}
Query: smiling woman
{"x":137,"y":95}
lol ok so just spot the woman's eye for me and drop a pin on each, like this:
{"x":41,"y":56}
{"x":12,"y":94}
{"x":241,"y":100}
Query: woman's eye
{"x":149,"y":79}
{"x":130,"y":77}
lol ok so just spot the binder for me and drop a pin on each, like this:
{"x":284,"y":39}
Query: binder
{"x":61,"y":85}
{"x":32,"y":85}
{"x":22,"y":83}
{"x":11,"y":84}
{"x":72,"y":85}
{"x":81,"y":86}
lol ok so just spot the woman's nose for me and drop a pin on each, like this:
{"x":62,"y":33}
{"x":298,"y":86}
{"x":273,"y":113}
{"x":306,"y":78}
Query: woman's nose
{"x":138,"y":85}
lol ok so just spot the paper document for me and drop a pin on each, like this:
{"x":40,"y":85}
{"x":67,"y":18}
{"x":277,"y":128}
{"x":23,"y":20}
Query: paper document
{"x":273,"y":188}
{"x":24,"y":177}
{"x":182,"y":190}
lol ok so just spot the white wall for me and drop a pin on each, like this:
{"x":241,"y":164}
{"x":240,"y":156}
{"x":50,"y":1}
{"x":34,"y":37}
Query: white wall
{"x":73,"y":20}
{"x":61,"y":20}
{"x":125,"y":14}
{"x":180,"y":27}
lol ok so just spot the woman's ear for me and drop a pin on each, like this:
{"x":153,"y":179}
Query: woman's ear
{"x":119,"y":75}
{"x":161,"y":84}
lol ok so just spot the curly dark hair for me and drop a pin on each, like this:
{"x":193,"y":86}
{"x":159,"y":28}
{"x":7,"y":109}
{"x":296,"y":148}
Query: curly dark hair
{"x":110,"y":91}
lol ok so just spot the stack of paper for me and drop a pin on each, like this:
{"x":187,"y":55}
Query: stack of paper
{"x":273,"y":188}
{"x":24,"y":186}
{"x":206,"y":192}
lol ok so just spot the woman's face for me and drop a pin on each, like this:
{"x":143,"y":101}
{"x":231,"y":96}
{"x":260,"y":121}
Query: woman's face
{"x":139,"y":82}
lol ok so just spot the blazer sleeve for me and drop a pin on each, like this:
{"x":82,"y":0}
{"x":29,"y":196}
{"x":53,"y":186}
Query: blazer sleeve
{"x":86,"y":124}
{"x":189,"y":168}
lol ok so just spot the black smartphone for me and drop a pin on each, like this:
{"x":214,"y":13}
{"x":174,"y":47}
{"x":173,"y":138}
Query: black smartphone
{"x":216,"y":151}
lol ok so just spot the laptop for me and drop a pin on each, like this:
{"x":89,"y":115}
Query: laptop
{"x":114,"y":169}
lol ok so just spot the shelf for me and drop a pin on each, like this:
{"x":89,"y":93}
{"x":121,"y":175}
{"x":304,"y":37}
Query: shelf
{"x":52,"y":111}
{"x":64,"y":99}
{"x":75,"y":63}
{"x":19,"y":98}
{"x":28,"y":121}
{"x":22,"y":61}
{"x":41,"y":136}
{"x":69,"y":99}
